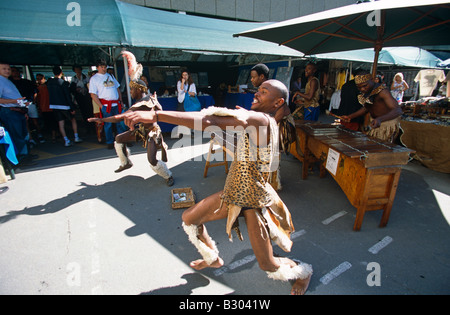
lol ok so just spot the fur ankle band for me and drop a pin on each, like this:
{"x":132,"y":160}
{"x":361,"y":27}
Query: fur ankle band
{"x":286,"y":273}
{"x":210,"y":255}
{"x":122,"y":152}
{"x":162,"y":170}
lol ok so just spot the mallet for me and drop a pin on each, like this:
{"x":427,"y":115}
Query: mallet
{"x":331,"y":114}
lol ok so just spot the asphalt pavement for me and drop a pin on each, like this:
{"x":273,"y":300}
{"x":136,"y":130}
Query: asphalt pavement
{"x":70,"y":225}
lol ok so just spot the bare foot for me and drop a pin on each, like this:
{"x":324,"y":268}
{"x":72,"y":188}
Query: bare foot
{"x":300,"y":286}
{"x":200,"y":264}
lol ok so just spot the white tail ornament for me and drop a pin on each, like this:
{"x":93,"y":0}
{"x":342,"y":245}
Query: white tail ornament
{"x":134,"y":68}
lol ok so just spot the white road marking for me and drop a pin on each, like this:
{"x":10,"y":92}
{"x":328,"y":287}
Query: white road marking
{"x":334,"y":217}
{"x":380,"y":245}
{"x":335,"y":272}
{"x":297,"y":234}
{"x":234,"y":265}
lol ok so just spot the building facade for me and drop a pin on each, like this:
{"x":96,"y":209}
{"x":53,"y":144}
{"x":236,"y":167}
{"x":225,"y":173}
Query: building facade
{"x":246,"y":10}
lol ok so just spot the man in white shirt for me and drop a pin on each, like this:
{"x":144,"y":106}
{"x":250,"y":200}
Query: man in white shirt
{"x":105,"y":93}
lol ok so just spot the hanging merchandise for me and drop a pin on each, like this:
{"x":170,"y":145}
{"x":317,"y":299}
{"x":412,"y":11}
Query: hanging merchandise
{"x":335,"y":101}
{"x":340,"y":79}
{"x":428,"y":79}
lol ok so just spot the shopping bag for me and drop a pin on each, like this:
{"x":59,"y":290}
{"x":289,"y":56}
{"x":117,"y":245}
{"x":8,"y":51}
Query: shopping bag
{"x":192,"y":103}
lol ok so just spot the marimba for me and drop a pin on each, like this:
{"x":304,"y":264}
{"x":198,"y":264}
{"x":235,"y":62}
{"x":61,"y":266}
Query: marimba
{"x":367,"y":169}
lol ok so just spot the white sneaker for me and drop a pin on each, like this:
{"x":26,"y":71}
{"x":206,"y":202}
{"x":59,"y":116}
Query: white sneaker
{"x":78,"y":140}
{"x":68,"y":143}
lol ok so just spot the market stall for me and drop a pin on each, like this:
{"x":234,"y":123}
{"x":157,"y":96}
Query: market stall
{"x":242,"y":99}
{"x":426,"y":129}
{"x":171,"y":103}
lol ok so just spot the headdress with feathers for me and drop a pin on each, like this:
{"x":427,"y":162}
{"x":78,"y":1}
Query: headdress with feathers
{"x":134,"y":68}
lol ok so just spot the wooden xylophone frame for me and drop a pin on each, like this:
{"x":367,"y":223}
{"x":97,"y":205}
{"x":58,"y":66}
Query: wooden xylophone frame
{"x":368,"y":169}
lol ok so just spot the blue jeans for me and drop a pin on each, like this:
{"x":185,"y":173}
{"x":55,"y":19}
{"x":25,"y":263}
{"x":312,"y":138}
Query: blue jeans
{"x":109,"y":135}
{"x":16,"y":124}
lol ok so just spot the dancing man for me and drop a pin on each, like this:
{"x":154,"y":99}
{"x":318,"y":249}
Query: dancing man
{"x":247,"y":191}
{"x":150,"y":133}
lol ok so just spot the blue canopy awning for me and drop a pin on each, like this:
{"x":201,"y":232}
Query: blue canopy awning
{"x":35,"y":21}
{"x":112,"y":23}
{"x":145,"y":27}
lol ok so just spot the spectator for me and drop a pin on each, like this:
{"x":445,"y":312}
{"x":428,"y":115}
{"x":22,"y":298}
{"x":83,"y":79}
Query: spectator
{"x":43,"y":103}
{"x":105,"y":93}
{"x":13,"y":114}
{"x":28,"y":90}
{"x":185,"y":85}
{"x":62,"y":105}
{"x":97,"y":114}
{"x":398,"y":87}
{"x":80,"y":91}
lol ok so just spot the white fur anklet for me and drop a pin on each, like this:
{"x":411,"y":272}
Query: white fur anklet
{"x":162,"y":170}
{"x":209,"y":255}
{"x":286,"y":272}
{"x":120,"y":150}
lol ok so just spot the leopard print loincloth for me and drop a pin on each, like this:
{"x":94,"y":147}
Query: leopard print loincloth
{"x":247,"y":186}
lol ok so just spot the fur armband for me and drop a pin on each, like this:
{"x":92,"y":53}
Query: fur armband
{"x":219,"y":111}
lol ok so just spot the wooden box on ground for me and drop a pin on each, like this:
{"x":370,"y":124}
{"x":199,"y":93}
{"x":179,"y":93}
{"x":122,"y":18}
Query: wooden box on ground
{"x":182,"y":198}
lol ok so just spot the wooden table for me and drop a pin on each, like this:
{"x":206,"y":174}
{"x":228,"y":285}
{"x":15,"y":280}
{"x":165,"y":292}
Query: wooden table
{"x":367,"y":169}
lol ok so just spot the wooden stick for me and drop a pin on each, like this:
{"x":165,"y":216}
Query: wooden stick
{"x":331,"y":114}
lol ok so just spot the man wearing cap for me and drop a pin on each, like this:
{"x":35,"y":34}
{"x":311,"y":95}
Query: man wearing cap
{"x":105,"y":93}
{"x":384,"y":110}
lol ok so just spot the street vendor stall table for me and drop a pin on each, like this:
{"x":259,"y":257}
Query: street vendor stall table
{"x":171,"y":103}
{"x":242,"y":99}
{"x":430,"y":141}
{"x":367,"y":169}
{"x":425,"y":128}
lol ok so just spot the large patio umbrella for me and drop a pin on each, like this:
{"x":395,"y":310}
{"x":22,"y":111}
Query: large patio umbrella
{"x":363,"y":25}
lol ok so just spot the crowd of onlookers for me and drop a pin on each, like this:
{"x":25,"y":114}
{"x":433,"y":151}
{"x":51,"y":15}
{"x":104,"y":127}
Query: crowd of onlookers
{"x":29,"y":110}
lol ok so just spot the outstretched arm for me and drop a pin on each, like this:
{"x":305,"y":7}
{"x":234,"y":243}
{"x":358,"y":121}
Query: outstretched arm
{"x":201,"y":121}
